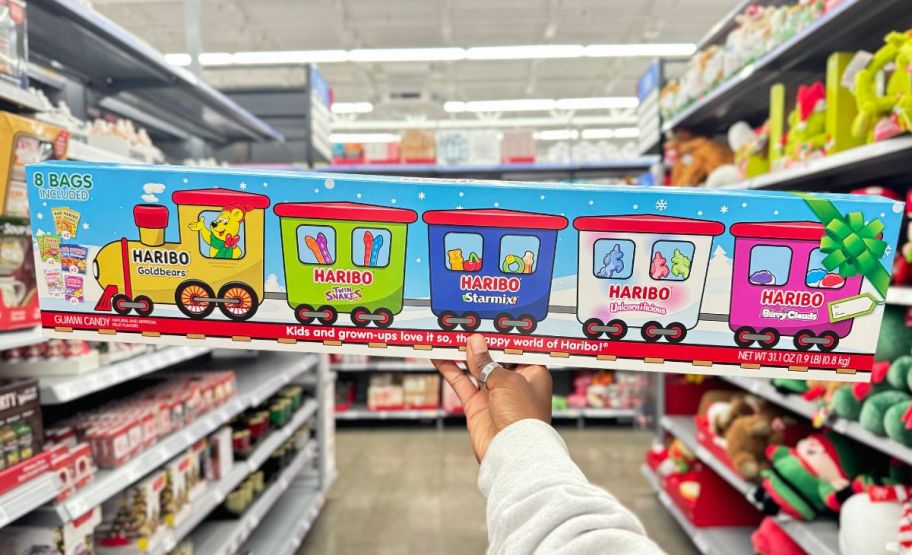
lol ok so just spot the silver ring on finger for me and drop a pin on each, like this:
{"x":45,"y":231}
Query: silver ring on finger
{"x":486,"y":372}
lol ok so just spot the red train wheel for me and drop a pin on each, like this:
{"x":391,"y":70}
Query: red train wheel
{"x":679,"y":332}
{"x":301,"y":316}
{"x":242,"y":301}
{"x":801,"y":340}
{"x":528,"y":326}
{"x":187,"y":296}
{"x":772,"y":335}
{"x":832,"y":340}
{"x":332,"y":315}
{"x":589,"y":328}
{"x":118,"y":303}
{"x":386,"y":318}
{"x":741,"y":336}
{"x":357,"y":317}
{"x":621,"y":328}
{"x":648,"y":331}
{"x":147,"y":305}
{"x":444,"y":320}
{"x":500,"y":323}
{"x":474,"y":320}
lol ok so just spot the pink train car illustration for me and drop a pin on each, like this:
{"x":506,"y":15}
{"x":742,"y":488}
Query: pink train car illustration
{"x":781,"y":288}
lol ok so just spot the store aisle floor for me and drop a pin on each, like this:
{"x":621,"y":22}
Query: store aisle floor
{"x":412,"y":491}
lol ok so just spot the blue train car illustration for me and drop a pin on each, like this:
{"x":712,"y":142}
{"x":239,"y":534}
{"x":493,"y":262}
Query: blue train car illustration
{"x":491,"y":264}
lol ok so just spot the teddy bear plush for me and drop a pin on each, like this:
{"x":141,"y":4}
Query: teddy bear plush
{"x":696,"y":158}
{"x":751,"y":430}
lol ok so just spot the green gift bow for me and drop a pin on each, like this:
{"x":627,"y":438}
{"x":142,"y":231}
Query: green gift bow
{"x":852,"y":246}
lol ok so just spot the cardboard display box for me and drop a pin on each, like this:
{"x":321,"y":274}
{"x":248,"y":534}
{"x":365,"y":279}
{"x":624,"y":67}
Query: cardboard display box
{"x":747,"y":283}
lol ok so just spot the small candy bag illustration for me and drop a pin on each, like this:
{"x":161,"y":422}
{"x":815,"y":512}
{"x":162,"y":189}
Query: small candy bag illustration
{"x":49,"y":249}
{"x":55,"y":284}
{"x":74,"y":289}
{"x":66,"y":221}
{"x":73,"y":258}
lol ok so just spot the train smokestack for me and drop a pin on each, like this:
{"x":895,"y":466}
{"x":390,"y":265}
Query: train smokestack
{"x":151,"y":219}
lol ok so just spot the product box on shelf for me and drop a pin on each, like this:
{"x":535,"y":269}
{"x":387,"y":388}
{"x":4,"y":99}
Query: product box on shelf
{"x":71,"y":538}
{"x":21,"y":426}
{"x":24,"y":141}
{"x":134,"y":517}
{"x":13,"y":42}
{"x":18,"y":293}
{"x":751,"y":283}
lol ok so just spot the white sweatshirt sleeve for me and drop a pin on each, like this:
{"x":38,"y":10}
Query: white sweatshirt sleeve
{"x":539,"y":501}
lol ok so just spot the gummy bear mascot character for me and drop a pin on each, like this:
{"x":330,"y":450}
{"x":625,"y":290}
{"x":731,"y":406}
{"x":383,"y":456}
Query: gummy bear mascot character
{"x":222,"y":235}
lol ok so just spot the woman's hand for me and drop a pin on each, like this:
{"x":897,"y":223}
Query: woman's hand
{"x":507,"y":397}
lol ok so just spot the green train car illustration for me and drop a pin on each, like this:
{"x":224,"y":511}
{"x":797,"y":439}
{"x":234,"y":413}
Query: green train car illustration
{"x":344,"y":257}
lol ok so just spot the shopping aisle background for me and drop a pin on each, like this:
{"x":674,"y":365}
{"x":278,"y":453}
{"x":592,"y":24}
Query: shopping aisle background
{"x":408,"y":490}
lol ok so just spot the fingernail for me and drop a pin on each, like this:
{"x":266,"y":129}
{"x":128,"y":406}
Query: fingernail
{"x":478,"y":343}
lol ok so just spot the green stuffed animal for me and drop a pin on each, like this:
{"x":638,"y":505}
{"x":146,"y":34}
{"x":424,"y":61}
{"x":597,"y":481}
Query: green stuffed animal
{"x":807,"y":123}
{"x":786,"y":386}
{"x":848,"y":401}
{"x":875,"y":408}
{"x":892,"y":112}
{"x":898,"y":423}
{"x":900,"y":373}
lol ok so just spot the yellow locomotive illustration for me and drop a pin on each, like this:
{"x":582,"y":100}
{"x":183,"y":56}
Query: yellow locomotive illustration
{"x":218,"y":261}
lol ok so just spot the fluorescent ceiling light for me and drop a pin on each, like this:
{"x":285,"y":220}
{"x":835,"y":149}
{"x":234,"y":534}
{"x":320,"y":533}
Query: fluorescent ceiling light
{"x":407,"y":54}
{"x":372,"y":55}
{"x":526,"y":52}
{"x":658,"y":50}
{"x":342,"y":138}
{"x":352,"y":107}
{"x":557,"y":135}
{"x":291,"y":57}
{"x":626,"y":132}
{"x":541,"y":104}
{"x":615,"y":133}
{"x":597,"y":103}
{"x":216,"y":59}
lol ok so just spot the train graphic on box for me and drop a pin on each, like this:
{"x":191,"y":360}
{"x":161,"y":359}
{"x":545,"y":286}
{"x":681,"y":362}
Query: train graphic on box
{"x":637,"y":274}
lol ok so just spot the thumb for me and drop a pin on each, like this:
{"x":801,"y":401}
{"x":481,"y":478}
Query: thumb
{"x":477,"y":355}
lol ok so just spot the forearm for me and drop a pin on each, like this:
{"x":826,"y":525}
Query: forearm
{"x":538,"y":500}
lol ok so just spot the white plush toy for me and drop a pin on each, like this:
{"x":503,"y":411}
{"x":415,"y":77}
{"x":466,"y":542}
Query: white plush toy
{"x":869,"y":527}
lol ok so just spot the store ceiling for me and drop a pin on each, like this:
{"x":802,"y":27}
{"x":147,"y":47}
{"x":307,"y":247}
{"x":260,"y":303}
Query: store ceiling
{"x":279,"y":25}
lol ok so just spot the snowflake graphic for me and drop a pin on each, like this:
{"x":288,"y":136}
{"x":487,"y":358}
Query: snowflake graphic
{"x":393,"y":201}
{"x":723,"y":209}
{"x":40,"y":216}
{"x":591,"y":203}
{"x":44,"y":204}
{"x":243,"y":186}
{"x":458,"y":207}
{"x":358,"y":195}
{"x":887,"y":251}
{"x":186,"y":180}
{"x":418,"y":261}
{"x":461,"y":194}
{"x":699,"y":212}
{"x":775,"y":212}
{"x":421,"y":195}
{"x":636,"y":206}
{"x":542,"y":197}
{"x":85,"y":226}
{"x":316,"y":190}
{"x":265,"y":184}
{"x":661,"y":205}
{"x":496,"y":205}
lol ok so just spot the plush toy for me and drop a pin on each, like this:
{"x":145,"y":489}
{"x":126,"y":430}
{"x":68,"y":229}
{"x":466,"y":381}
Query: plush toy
{"x":750,"y":155}
{"x":807,"y":123}
{"x":817,"y":475}
{"x":848,"y":401}
{"x":898,"y":423}
{"x":581,"y":383}
{"x":882,"y":117}
{"x":875,"y":408}
{"x":869,"y":526}
{"x":679,"y":459}
{"x":697,"y":157}
{"x":770,"y":539}
{"x":821,"y":393}
{"x":721,"y":408}
{"x":787,"y":386}
{"x":747,"y":438}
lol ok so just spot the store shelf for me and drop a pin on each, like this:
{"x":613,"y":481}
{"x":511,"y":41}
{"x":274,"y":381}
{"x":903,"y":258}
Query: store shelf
{"x":77,"y":150}
{"x":820,"y":537}
{"x":23,"y":98}
{"x":20,"y":338}
{"x":633,"y":165}
{"x":257,"y":379}
{"x":225,"y":537}
{"x":855,"y":166}
{"x":718,"y":32}
{"x":62,"y":389}
{"x":285,"y":526}
{"x":383,"y":366}
{"x":216,"y":492}
{"x":594,"y":413}
{"x":854,"y":430}
{"x":899,"y":295}
{"x":854,"y":24}
{"x":361,"y":412}
{"x":717,"y":540}
{"x":28,"y":497}
{"x":131,"y":72}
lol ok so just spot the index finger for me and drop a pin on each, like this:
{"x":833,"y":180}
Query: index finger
{"x":457,"y":379}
